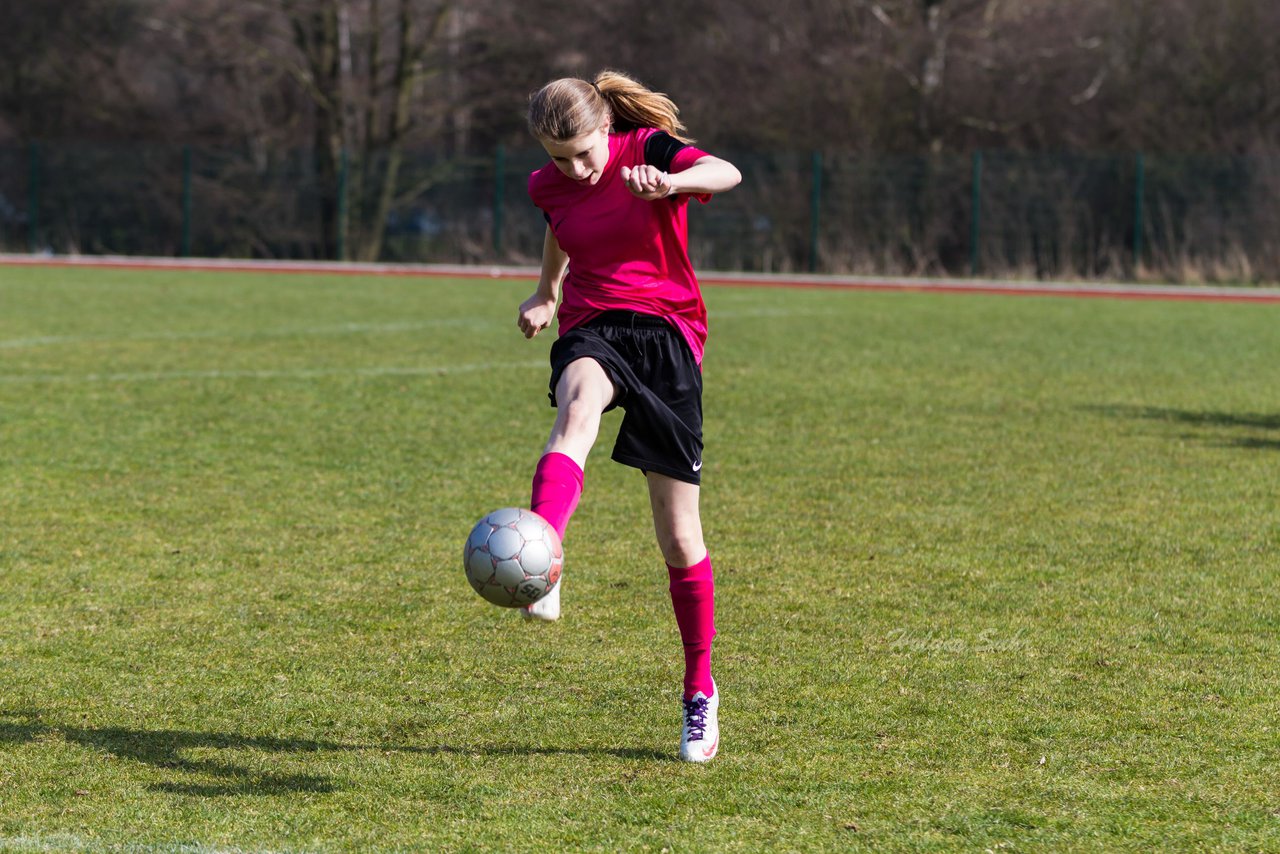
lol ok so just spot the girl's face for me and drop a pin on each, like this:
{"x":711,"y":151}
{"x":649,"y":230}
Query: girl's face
{"x":582,"y":158}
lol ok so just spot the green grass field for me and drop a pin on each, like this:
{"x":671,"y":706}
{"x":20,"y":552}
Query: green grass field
{"x":993,"y":573}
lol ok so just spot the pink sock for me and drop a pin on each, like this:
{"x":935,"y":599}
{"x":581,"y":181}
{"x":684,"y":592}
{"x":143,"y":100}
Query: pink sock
{"x":693,"y":595}
{"x":557,"y":485}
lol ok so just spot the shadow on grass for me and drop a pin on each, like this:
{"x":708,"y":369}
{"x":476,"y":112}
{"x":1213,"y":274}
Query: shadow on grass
{"x":1226,"y":426}
{"x":525,"y":750}
{"x":165,"y":748}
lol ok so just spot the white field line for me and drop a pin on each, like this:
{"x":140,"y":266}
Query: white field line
{"x":237,"y":265}
{"x":59,"y":842}
{"x":283,"y":332}
{"x":300,"y":374}
{"x":335,"y":330}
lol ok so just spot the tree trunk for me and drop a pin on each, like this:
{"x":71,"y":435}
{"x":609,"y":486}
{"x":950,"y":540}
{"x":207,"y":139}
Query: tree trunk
{"x":410,"y":52}
{"x":317,"y":36}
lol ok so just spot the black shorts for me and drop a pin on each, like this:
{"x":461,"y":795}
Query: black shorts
{"x":658,"y":384}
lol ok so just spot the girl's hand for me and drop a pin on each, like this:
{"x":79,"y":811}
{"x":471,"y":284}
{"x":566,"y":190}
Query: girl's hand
{"x":536,"y":314}
{"x":647,"y":182}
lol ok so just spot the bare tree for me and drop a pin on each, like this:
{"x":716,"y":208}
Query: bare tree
{"x":365,"y":65}
{"x":60,"y":67}
{"x":315,"y":121}
{"x":351,"y":81}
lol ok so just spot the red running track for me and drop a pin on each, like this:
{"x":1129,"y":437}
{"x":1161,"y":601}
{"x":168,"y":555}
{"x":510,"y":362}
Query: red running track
{"x":863,"y":283}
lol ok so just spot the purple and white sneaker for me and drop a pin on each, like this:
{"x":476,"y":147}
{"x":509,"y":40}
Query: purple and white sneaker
{"x":700,"y":738}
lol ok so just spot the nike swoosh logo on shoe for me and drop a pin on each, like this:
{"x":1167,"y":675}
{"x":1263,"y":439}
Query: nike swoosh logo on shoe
{"x":711,"y":751}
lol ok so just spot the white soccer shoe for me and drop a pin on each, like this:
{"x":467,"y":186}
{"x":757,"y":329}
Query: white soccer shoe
{"x":547,"y":608}
{"x":700,"y":738}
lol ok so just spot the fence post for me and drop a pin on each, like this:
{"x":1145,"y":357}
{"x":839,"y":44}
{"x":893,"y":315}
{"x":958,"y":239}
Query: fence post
{"x":815,"y":208}
{"x":33,"y":197}
{"x":186,"y":201}
{"x":343,"y":163}
{"x":1139,"y":183}
{"x":975,"y":219}
{"x":499,"y":196}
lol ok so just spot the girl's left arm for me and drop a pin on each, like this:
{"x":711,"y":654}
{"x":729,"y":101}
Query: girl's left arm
{"x":708,"y":175}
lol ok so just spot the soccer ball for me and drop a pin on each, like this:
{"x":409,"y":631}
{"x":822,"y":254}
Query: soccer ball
{"x":513,"y":557}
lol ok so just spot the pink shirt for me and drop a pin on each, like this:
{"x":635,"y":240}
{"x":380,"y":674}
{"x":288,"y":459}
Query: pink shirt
{"x":624,"y":252}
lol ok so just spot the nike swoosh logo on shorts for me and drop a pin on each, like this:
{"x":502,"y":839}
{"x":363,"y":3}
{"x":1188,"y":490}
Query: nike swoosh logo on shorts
{"x":697,"y":465}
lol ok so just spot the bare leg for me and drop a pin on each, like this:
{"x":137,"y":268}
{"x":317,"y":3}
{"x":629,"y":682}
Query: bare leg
{"x":583,"y":392}
{"x":676,"y":520}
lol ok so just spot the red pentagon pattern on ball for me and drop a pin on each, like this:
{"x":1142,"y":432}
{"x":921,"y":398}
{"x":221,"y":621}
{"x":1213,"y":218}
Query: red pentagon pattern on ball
{"x":513,"y":557}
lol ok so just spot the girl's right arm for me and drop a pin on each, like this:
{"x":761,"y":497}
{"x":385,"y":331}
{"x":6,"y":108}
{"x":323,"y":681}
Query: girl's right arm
{"x":537,"y":312}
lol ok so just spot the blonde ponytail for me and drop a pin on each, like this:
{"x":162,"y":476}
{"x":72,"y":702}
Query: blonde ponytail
{"x":634,"y":106}
{"x":568,"y":108}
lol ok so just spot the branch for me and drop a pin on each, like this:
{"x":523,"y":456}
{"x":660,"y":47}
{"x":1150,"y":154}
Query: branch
{"x":1091,"y":92}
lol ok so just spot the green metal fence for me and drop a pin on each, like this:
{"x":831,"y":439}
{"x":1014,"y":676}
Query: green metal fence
{"x":988,"y":213}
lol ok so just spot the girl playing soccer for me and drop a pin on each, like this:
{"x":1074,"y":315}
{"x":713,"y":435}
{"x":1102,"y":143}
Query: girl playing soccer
{"x":632,"y":331}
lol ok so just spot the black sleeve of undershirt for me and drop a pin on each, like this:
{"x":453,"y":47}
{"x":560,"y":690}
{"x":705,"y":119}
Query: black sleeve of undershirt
{"x":661,"y":148}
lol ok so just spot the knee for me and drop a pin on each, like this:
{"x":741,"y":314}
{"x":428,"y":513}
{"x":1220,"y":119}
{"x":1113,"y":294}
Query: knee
{"x":579,"y":415}
{"x":682,"y":547}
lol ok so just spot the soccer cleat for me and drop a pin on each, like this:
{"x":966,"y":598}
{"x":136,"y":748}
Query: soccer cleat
{"x":700,"y":738}
{"x":547,"y":608}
